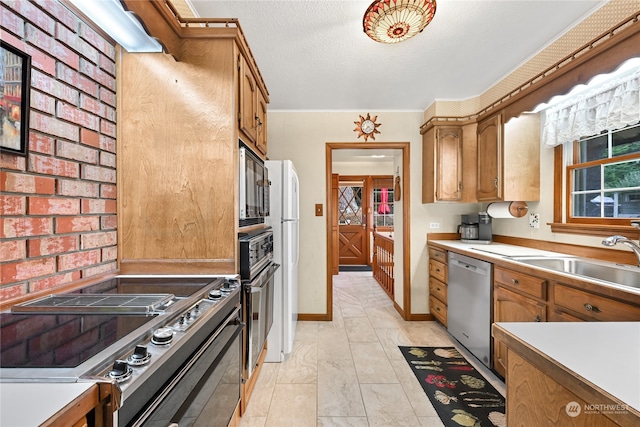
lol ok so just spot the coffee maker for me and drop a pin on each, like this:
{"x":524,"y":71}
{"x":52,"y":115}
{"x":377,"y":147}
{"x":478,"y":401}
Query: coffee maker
{"x":475,"y":228}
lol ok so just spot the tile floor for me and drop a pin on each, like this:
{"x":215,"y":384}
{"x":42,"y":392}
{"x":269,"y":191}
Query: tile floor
{"x":349,"y":372}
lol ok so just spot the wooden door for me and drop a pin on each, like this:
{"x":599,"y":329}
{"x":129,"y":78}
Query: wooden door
{"x":352,"y":222}
{"x":490,"y":159}
{"x":512,"y":307}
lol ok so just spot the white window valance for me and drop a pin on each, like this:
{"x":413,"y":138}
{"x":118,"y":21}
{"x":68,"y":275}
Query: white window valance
{"x":611,"y":105}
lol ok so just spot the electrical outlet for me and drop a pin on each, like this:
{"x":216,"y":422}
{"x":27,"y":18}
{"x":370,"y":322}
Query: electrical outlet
{"x":434,"y":225}
{"x":534,"y":220}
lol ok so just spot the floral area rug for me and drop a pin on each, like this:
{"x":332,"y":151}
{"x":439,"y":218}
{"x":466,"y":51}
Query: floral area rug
{"x":460,"y":395}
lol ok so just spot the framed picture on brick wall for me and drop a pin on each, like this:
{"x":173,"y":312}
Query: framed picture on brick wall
{"x":15,"y":78}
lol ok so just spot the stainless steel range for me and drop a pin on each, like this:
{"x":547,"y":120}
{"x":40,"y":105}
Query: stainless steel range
{"x":170,"y":344}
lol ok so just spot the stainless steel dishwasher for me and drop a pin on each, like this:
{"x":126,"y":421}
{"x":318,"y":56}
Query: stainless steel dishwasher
{"x":469,"y":304}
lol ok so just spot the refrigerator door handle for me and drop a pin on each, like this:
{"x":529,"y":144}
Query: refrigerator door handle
{"x":289,"y":220}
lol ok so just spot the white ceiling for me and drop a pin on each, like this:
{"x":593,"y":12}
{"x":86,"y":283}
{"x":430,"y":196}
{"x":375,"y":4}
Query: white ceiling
{"x":314,"y":54}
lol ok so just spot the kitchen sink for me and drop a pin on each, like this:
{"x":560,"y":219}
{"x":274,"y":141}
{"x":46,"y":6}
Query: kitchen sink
{"x":599,"y":270}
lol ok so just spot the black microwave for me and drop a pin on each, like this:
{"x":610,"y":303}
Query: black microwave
{"x":254,"y":188}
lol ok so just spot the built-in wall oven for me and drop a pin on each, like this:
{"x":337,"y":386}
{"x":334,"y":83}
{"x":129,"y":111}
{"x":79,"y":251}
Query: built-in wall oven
{"x":257,"y":271}
{"x":254,"y":188}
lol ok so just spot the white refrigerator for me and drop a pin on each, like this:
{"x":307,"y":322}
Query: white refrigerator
{"x":284,"y":219}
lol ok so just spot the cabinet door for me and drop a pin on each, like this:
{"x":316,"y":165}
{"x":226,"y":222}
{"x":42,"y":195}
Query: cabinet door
{"x":449,"y":164}
{"x":512,"y":307}
{"x":490,"y":159}
{"x":261,"y":142}
{"x":248,"y":116}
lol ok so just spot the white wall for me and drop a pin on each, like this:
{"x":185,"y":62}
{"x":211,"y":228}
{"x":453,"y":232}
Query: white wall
{"x":302,"y":137}
{"x":363,"y":168}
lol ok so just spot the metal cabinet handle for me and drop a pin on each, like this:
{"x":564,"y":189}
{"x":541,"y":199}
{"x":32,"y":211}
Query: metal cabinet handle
{"x":515,"y":281}
{"x":437,"y":289}
{"x":538,"y":318}
{"x":437,"y":270}
{"x":592,"y":308}
{"x":437,"y":308}
{"x":495,"y":182}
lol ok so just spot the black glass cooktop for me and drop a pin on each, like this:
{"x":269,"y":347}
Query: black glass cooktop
{"x":60,"y":340}
{"x":55,"y":340}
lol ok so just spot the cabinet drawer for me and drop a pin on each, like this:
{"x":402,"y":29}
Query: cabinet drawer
{"x":438,"y":289}
{"x":438,"y":270}
{"x":438,"y":255}
{"x":438,"y":309}
{"x":594,"y":306}
{"x":522,"y":283}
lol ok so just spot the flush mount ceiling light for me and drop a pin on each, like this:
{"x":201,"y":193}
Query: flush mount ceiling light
{"x":394,"y":21}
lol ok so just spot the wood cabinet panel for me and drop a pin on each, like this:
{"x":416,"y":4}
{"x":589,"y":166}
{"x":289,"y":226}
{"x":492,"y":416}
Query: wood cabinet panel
{"x":176,"y":160}
{"x":519,"y":282}
{"x":489,"y":182}
{"x":438,"y":309}
{"x":438,"y":289}
{"x":442,"y":165}
{"x":438,"y":270}
{"x":261,"y":142}
{"x":509,"y":159}
{"x":248,"y":105}
{"x":535,"y":399}
{"x":438,"y":255}
{"x":449,"y":164}
{"x":509,"y":306}
{"x":562,"y":316}
{"x":593,"y":306}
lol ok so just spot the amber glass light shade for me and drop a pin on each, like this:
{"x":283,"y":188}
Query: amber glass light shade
{"x":394,"y":21}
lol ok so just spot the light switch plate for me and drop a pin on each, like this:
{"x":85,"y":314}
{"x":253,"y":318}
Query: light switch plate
{"x":318,"y":209}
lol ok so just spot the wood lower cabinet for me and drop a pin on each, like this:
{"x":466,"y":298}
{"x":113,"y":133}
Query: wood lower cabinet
{"x":438,"y":284}
{"x":590,"y":306}
{"x":516,"y":298}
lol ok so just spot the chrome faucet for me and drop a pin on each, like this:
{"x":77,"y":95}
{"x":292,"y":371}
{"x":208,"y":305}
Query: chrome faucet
{"x":614,"y":240}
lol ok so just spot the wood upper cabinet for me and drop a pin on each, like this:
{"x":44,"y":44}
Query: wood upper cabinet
{"x":177,"y":163}
{"x":449,"y":164}
{"x":261,"y":142}
{"x":509,"y":159}
{"x":442,"y":164}
{"x":248,"y":102}
{"x":252,"y":109}
{"x":489,"y":185}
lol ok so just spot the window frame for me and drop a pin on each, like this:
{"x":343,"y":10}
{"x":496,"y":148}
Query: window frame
{"x":563,"y":221}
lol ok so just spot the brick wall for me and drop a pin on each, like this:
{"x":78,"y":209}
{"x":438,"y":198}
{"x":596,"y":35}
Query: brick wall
{"x":58,"y":205}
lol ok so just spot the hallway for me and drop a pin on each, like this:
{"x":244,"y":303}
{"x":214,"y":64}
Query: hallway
{"x":350,"y":372}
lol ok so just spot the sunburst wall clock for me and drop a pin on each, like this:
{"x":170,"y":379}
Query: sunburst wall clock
{"x":367,"y":127}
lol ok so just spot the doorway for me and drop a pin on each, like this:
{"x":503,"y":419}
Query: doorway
{"x":402,"y":232}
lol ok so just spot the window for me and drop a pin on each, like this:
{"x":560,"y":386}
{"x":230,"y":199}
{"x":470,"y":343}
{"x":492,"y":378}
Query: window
{"x":383,"y":207}
{"x":603,"y":179}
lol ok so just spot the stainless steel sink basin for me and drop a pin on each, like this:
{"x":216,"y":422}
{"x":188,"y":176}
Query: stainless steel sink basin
{"x":592,"y":269}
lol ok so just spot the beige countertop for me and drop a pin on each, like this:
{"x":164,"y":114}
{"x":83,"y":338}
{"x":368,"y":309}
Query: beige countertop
{"x":32,"y":404}
{"x":606,"y":355}
{"x":498,"y":253}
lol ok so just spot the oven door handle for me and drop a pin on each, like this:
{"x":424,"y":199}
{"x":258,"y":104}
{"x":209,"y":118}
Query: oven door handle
{"x":233,"y":318}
